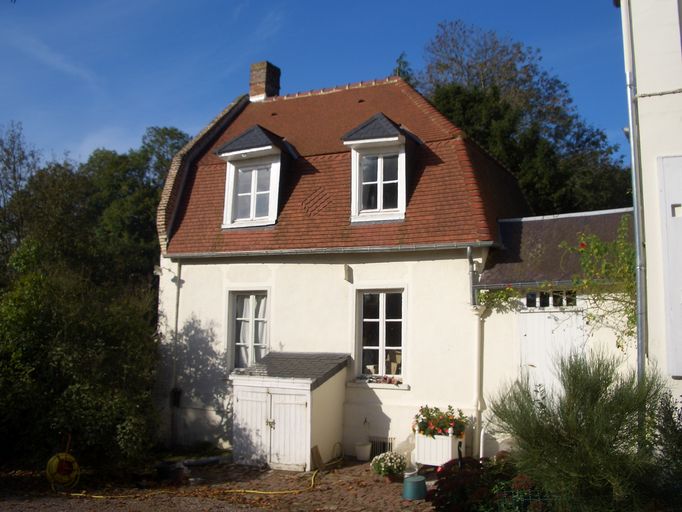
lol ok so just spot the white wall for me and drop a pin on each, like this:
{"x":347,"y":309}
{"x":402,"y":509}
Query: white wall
{"x":658,"y":60}
{"x":327,"y":416}
{"x":312,"y":308}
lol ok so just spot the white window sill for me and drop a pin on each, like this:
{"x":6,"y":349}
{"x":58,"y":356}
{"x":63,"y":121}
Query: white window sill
{"x":249,"y":224}
{"x":363,"y":384}
{"x":378,"y":216}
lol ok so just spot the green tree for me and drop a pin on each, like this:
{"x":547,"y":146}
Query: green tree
{"x":404,"y":70}
{"x":496,"y":90}
{"x":78,"y":311}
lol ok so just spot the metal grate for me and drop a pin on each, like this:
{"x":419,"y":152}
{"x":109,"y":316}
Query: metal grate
{"x":381,"y":445}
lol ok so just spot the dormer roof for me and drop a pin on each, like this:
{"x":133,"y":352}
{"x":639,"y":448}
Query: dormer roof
{"x":254,"y":137}
{"x":376,"y":127}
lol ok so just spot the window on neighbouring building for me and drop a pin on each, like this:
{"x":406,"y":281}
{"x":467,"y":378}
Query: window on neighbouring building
{"x":554,"y":298}
{"x":250,"y":328}
{"x":381,"y":333}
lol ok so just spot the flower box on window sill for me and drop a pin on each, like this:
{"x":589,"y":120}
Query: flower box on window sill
{"x":436,"y":450}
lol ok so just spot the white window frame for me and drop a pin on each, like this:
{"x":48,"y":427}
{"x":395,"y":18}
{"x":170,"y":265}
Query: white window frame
{"x":377,"y":147}
{"x":249,"y":160}
{"x":232,"y":324}
{"x":381,"y":371}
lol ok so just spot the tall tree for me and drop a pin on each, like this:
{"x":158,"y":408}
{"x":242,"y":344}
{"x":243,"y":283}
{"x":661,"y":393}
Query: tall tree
{"x":496,"y":90}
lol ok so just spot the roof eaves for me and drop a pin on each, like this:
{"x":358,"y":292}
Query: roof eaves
{"x":177,"y":174}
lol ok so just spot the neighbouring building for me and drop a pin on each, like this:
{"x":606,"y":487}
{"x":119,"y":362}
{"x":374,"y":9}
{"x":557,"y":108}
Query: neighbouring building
{"x":653,"y":51}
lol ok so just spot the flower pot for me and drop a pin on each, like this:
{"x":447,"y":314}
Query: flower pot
{"x":363,"y":451}
{"x":393,"y":477}
{"x":436,"y":450}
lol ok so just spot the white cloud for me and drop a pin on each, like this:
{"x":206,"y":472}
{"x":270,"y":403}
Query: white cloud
{"x":41,"y":52}
{"x":115,"y":138}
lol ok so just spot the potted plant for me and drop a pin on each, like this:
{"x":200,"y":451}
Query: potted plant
{"x":438,"y":434}
{"x":390,"y":465}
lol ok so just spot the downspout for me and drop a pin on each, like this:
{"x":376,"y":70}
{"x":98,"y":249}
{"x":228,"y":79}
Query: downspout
{"x":480,"y":312}
{"x":638,"y":210}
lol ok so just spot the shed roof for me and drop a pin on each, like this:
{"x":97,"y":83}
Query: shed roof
{"x":532,"y":252}
{"x":316,"y":366}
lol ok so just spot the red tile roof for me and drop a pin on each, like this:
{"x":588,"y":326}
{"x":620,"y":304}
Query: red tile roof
{"x":456,"y":192}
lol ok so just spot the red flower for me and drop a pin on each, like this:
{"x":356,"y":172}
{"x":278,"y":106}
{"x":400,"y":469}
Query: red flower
{"x":582,"y":246}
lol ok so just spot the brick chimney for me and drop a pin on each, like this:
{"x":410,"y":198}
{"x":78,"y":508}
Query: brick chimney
{"x":264,"y":81}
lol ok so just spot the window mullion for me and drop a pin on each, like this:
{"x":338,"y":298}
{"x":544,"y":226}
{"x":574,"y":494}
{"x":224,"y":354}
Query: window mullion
{"x":254,"y":181}
{"x":380,"y":182}
{"x":252,"y":328}
{"x":382,"y":334}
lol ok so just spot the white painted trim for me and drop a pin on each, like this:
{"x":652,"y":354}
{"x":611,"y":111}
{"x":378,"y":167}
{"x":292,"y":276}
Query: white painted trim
{"x":249,"y":153}
{"x":384,"y":141}
{"x":568,"y":215}
{"x":230,"y":183}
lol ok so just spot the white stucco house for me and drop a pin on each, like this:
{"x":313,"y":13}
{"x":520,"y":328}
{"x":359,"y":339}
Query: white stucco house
{"x":321,"y":254}
{"x":653,"y":63}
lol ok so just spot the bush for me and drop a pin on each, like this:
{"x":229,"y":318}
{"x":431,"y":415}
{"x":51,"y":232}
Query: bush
{"x":484,"y":486}
{"x":584,"y":444}
{"x":389,"y":463}
{"x":669,"y":446}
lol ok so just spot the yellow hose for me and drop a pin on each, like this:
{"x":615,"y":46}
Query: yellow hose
{"x":225,"y":491}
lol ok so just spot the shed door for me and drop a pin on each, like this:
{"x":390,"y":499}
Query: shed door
{"x":288,"y":446}
{"x":270,"y":427}
{"x":250,"y":435}
{"x":546,"y":335}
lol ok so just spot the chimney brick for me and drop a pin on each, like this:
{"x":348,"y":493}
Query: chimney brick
{"x":264,"y":81}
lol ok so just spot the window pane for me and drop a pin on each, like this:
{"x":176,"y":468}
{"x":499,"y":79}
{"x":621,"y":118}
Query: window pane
{"x":531,"y":300}
{"x":369,"y":197}
{"x":570,"y":298}
{"x":391,"y":168}
{"x":260,"y":306}
{"x":259,"y":333}
{"x":243,"y":207}
{"x":394,"y":305}
{"x":263,"y":183}
{"x":394,"y":334}
{"x":368,"y":169}
{"x":242,"y":331}
{"x":370,"y":361}
{"x":557,"y":299}
{"x":242,"y":310}
{"x":243,"y":182}
{"x":259,"y":353}
{"x":262,"y":204}
{"x":370,"y":306}
{"x":394,"y":362}
{"x":390,"y":195}
{"x":370,"y":334}
{"x":241,"y":357}
{"x":544,"y":299}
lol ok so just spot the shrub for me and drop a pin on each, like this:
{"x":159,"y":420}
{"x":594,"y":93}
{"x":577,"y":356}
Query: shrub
{"x":668,"y":439}
{"x":389,"y":463}
{"x":484,"y":486}
{"x":584,"y":444}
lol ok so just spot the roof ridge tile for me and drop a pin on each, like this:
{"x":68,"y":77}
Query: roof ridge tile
{"x":333,"y":89}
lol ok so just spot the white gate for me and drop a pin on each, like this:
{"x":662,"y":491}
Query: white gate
{"x":270,"y":427}
{"x":545,"y":336}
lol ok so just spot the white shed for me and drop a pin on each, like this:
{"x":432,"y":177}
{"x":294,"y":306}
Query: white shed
{"x":287,"y":404}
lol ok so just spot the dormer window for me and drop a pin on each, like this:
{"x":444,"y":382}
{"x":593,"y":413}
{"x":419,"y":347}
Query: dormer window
{"x":378,"y":175}
{"x":254,"y":161}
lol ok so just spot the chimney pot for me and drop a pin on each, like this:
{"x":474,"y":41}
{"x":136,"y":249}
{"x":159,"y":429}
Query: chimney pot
{"x":264,"y":81}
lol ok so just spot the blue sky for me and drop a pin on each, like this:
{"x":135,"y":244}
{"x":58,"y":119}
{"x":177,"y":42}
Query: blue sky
{"x":82,"y":74}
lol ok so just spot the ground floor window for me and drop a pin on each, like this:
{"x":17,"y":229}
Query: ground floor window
{"x":381,"y":333}
{"x":551,"y":298}
{"x":250,"y":328}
